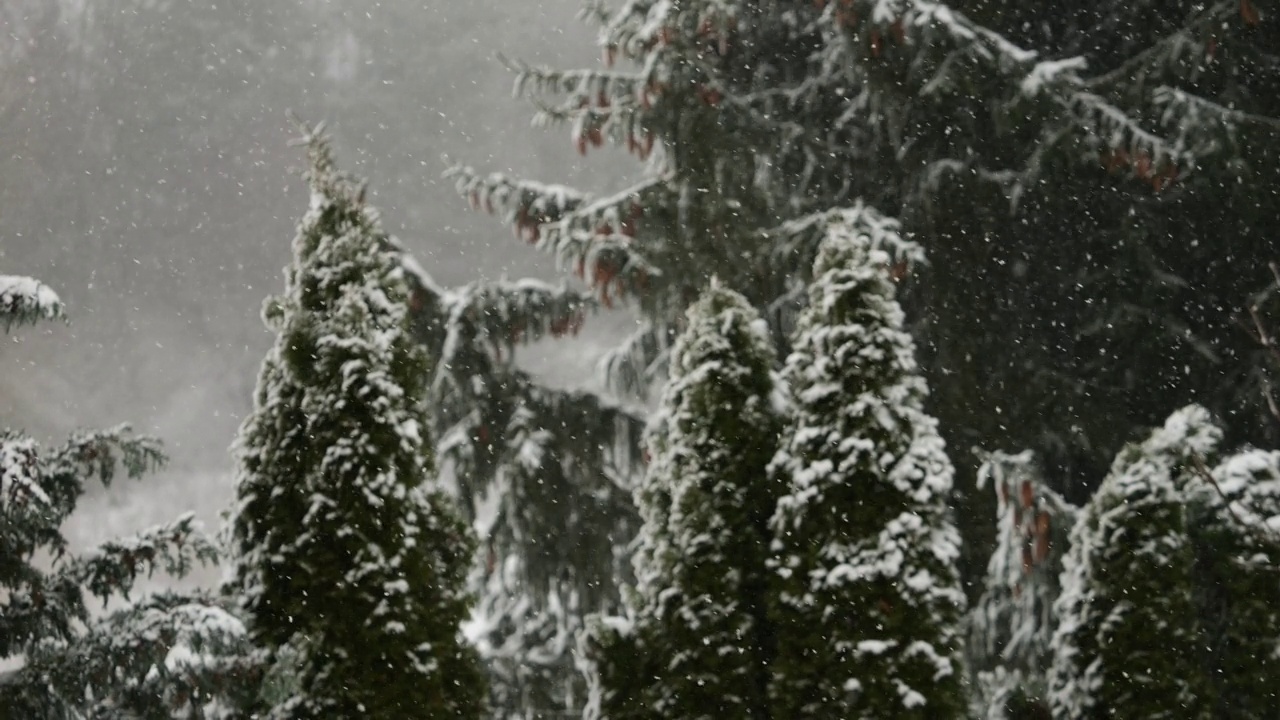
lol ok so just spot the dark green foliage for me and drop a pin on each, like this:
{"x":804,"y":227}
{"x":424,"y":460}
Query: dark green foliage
{"x":165,"y":656}
{"x":1165,"y":609}
{"x":1071,"y":172}
{"x":344,"y":549}
{"x":168,"y":655}
{"x":558,"y":462}
{"x":868,"y":603}
{"x":1237,"y":576}
{"x":697,"y":642}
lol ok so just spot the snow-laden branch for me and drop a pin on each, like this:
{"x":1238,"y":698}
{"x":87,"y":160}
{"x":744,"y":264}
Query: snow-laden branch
{"x":27,"y":300}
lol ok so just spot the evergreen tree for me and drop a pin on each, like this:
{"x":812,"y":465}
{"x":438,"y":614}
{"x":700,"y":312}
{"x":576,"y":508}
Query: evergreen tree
{"x":1238,"y":572}
{"x":1128,"y":643}
{"x":868,"y":598}
{"x":1012,"y":623}
{"x":697,"y":642}
{"x":171,"y":655}
{"x":344,"y":552}
{"x":993,"y":129}
{"x":544,"y":472}
{"x":1165,"y":608}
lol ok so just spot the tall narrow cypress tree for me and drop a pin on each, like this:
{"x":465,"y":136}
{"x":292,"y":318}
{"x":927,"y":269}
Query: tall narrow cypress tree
{"x":1127,"y":643}
{"x":344,"y":550}
{"x":699,"y":644}
{"x":1167,"y":601}
{"x":1238,"y":542}
{"x":868,"y":603}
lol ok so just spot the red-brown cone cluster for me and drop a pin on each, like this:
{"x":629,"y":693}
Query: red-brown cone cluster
{"x":846,"y":17}
{"x":567,"y":325}
{"x":1033,"y":522}
{"x":1157,"y":174}
{"x":528,"y":226}
{"x":1249,"y":13}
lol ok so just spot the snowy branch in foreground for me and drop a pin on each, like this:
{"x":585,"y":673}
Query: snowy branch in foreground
{"x":27,"y":300}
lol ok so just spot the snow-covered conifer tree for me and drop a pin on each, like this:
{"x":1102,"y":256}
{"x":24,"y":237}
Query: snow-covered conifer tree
{"x":1060,"y":163}
{"x":171,"y":655}
{"x":1012,"y":623}
{"x":1128,"y":641}
{"x":697,"y":642}
{"x":1238,"y":537}
{"x":1165,"y":608}
{"x":343,"y":546}
{"x":868,"y":603}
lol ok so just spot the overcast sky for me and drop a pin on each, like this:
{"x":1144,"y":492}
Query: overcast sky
{"x":147,"y":177}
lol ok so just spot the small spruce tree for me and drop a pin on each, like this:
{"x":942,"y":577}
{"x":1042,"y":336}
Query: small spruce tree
{"x":343,"y":551}
{"x":868,"y":602}
{"x":698,"y":643}
{"x":170,"y":655}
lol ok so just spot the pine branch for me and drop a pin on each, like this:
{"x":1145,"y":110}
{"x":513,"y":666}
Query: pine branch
{"x":98,"y":454}
{"x":594,"y":237}
{"x":166,"y":656}
{"x":634,"y":367}
{"x":114,"y":567}
{"x":615,"y":217}
{"x":962,"y":31}
{"x":615,"y":429}
{"x":1168,"y":49}
{"x":473,"y":331}
{"x":22,"y":480}
{"x":1103,"y":120}
{"x":523,"y":204}
{"x":1265,"y":339}
{"x":507,"y":313}
{"x":1190,"y":111}
{"x":39,"y":606}
{"x":564,"y":428}
{"x":537,"y":447}
{"x":594,"y":12}
{"x":39,"y":609}
{"x":588,"y":85}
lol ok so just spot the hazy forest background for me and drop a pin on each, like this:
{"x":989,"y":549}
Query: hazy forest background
{"x":145,"y":173}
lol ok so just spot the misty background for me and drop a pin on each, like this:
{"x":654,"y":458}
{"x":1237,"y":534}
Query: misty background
{"x":146,"y":175}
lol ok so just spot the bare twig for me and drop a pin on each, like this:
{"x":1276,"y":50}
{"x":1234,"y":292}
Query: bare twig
{"x":1271,"y":400}
{"x":1257,"y":330}
{"x":1202,"y":469}
{"x":1263,"y":534}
